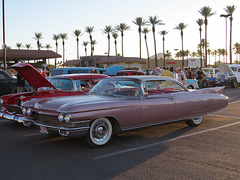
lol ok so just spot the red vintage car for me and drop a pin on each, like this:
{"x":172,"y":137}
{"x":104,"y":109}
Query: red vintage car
{"x":62,"y":85}
{"x":118,"y":104}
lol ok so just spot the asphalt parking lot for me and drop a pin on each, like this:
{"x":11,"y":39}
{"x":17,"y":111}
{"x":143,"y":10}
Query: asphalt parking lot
{"x":173,"y":151}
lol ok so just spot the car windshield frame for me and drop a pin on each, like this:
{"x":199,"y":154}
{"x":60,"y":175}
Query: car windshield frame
{"x":118,"y":87}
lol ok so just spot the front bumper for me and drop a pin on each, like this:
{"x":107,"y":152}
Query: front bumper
{"x":64,"y":131}
{"x":14,"y":117}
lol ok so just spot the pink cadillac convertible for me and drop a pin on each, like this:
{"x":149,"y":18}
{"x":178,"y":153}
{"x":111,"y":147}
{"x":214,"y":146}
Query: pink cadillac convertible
{"x":117,"y":104}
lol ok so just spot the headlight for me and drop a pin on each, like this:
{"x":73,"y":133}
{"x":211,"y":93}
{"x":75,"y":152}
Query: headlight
{"x":1,"y":101}
{"x":29,"y":111}
{"x":24,"y":110}
{"x":67,"y":118}
{"x":60,"y":117}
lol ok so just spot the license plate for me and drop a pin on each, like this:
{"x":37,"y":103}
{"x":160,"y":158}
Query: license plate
{"x":43,"y":130}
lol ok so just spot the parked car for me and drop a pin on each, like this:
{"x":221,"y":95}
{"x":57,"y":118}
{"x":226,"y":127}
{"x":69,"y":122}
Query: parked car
{"x":189,"y":83}
{"x":76,"y":70}
{"x":210,"y":72}
{"x":118,"y":104}
{"x":8,"y":84}
{"x":129,"y":73}
{"x":64,"y":85}
{"x":228,"y":75}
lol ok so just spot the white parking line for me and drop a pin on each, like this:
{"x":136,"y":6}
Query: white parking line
{"x":162,"y":142}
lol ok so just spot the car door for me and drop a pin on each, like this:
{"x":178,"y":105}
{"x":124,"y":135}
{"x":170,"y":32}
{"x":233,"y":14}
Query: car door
{"x":5,"y":83}
{"x":157,"y":106}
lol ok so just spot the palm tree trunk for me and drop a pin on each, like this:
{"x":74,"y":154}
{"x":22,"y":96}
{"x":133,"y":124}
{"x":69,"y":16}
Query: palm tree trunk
{"x":230,"y":49}
{"x":77,"y":48}
{"x":122,"y":43}
{"x":108,"y":44}
{"x":200,"y":30}
{"x":63,"y":53}
{"x":91,"y":44}
{"x":147,"y":51}
{"x":56,"y":52}
{"x":140,"y":45}
{"x":86,"y":51}
{"x":205,"y":60}
{"x":164,"y":62}
{"x":115,"y":46}
{"x":182,"y":49}
{"x":155,"y":48}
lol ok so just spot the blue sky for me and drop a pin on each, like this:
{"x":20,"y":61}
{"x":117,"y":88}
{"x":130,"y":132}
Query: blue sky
{"x":24,"y":18}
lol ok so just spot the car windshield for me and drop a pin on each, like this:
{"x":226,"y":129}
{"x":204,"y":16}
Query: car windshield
{"x":234,"y":68}
{"x":62,"y":84}
{"x":117,"y":87}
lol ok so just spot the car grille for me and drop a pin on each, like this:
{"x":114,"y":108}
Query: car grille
{"x":48,"y":120}
{"x":14,"y":108}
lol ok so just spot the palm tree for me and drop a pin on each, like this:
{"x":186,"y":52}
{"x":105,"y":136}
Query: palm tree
{"x":89,"y":30}
{"x":63,"y":36}
{"x":145,"y":31}
{"x":77,"y":33}
{"x":115,"y":36}
{"x":139,"y":21}
{"x":85,"y":43}
{"x":94,"y":42}
{"x":214,"y":53}
{"x":28,"y":46}
{"x":181,"y":27}
{"x":168,"y":54}
{"x":230,"y":10}
{"x":48,"y":46}
{"x":163,"y":33}
{"x":194,"y":54}
{"x":19,"y":45}
{"x":187,"y":53}
{"x":40,"y":46}
{"x":121,"y":28}
{"x":108,"y":30}
{"x":55,"y":38}
{"x":153,"y":20}
{"x":209,"y":53}
{"x":178,"y":54}
{"x":37,"y":37}
{"x":219,"y":52}
{"x":200,"y":23}
{"x":237,"y":50}
{"x":206,"y":12}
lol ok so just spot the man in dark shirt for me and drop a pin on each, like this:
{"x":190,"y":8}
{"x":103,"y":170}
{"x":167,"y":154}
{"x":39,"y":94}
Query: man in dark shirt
{"x":20,"y":83}
{"x":200,"y":74}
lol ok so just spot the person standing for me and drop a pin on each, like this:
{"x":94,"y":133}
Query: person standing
{"x":199,"y":76}
{"x":20,"y":83}
{"x":181,"y":76}
{"x":189,"y":73}
{"x":167,"y":73}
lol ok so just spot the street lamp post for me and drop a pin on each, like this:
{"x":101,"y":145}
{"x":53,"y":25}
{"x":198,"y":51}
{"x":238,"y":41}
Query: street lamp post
{"x":226,"y":16}
{"x":4,"y":44}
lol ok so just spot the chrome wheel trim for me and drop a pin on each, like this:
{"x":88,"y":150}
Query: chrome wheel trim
{"x":101,"y":131}
{"x":197,"y":120}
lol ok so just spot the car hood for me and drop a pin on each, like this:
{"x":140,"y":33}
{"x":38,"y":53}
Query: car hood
{"x":225,"y":69}
{"x":74,"y":104}
{"x":32,"y":76}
